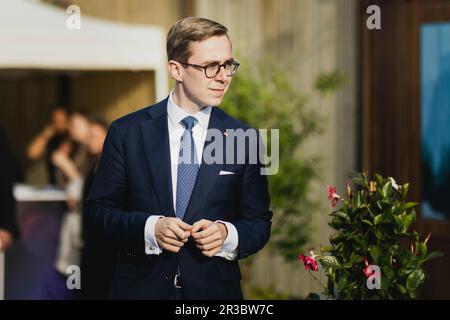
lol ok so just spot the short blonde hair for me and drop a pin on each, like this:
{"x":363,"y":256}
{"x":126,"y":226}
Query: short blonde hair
{"x":188,"y":30}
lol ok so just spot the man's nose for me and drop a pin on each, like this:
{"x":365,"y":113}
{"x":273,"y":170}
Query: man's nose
{"x":222,"y":74}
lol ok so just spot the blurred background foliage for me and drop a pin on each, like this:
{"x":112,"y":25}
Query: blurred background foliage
{"x":262,"y":96}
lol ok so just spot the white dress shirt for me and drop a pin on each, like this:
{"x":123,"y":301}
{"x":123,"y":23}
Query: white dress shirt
{"x":199,"y":131}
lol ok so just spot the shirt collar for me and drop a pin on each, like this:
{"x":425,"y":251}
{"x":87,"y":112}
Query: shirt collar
{"x":176,"y":114}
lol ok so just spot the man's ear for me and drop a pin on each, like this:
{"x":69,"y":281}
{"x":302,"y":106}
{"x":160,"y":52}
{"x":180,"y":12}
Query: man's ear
{"x":175,"y":70}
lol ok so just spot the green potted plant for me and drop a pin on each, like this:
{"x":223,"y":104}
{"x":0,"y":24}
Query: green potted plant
{"x":367,"y":258}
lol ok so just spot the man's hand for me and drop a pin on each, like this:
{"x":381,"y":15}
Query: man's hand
{"x":209,"y":236}
{"x":6,"y":240}
{"x":171,"y":233}
{"x":48,"y":132}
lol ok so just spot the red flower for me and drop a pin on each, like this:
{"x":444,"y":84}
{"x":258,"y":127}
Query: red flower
{"x":333,"y":196}
{"x":308,"y":262}
{"x":366,"y":270}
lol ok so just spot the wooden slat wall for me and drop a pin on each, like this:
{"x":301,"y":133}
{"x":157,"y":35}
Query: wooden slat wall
{"x":155,"y":12}
{"x":113,"y":94}
{"x":25,"y":101}
{"x":307,"y":37}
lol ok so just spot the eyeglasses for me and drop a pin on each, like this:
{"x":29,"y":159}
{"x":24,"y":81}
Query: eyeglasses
{"x":213,"y":69}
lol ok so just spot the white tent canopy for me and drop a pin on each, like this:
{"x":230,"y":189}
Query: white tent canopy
{"x":36,"y":36}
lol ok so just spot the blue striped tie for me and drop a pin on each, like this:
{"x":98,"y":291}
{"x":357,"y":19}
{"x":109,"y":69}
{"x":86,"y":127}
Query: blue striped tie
{"x":187,"y":167}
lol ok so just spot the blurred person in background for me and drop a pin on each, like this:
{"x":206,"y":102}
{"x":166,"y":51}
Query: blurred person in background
{"x":98,"y":256}
{"x":8,"y":224}
{"x":75,"y":162}
{"x":49,"y":140}
{"x":73,"y":158}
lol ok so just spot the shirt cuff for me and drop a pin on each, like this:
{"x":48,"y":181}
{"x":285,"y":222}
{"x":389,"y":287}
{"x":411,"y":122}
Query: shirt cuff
{"x":151,"y":245}
{"x":229,"y":249}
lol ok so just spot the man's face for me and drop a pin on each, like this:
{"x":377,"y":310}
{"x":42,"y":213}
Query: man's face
{"x":199,"y":89}
{"x":59,"y":120}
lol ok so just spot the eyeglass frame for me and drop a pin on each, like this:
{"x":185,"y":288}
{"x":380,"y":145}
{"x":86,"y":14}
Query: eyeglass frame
{"x":220,"y":66}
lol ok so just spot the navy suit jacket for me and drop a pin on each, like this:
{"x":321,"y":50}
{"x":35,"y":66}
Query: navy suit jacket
{"x":133,"y":181}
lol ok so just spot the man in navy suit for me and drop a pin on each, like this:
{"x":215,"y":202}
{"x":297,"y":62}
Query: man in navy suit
{"x":182,"y":223}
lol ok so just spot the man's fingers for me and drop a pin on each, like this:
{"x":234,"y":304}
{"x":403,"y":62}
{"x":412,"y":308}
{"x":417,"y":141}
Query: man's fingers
{"x":183,"y":225}
{"x":211,"y":253}
{"x":169,"y":234}
{"x":173,"y":228}
{"x":171,"y":241}
{"x":180,"y":228}
{"x":170,"y":247}
{"x":210,"y":246}
{"x":203,"y":234}
{"x":211,"y":229}
{"x":177,"y":230}
{"x":202,"y":224}
{"x":211,"y":238}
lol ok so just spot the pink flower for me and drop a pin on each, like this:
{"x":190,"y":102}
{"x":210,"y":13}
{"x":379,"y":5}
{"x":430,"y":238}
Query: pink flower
{"x":308,"y":262}
{"x":333,"y":196}
{"x":366,"y":270}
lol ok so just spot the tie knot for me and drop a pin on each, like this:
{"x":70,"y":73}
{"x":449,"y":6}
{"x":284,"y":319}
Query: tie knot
{"x":189,"y":122}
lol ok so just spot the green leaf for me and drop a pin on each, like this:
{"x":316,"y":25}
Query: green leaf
{"x":340,"y":214}
{"x":375,"y":254}
{"x":379,"y":205}
{"x":357,"y":200}
{"x":422,"y":248}
{"x":415,"y":280}
{"x":359,"y":179}
{"x":389,"y":273}
{"x":313,"y":296}
{"x":378,"y":219}
{"x":348,"y":265}
{"x":410,"y":205}
{"x":401,"y":288}
{"x":367,"y":222}
{"x":326,"y":248}
{"x":435,"y":254}
{"x":387,"y":188}
{"x":405,"y":189}
{"x":408,"y":220}
{"x":385,"y":282}
{"x":354,"y":258}
{"x":379,"y":179}
{"x":361,"y":241}
{"x":329,"y":262}
{"x":343,"y":282}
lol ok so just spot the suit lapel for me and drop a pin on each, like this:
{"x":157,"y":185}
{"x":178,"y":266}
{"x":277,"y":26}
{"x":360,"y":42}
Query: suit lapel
{"x":208,"y":173}
{"x":155,"y":136}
